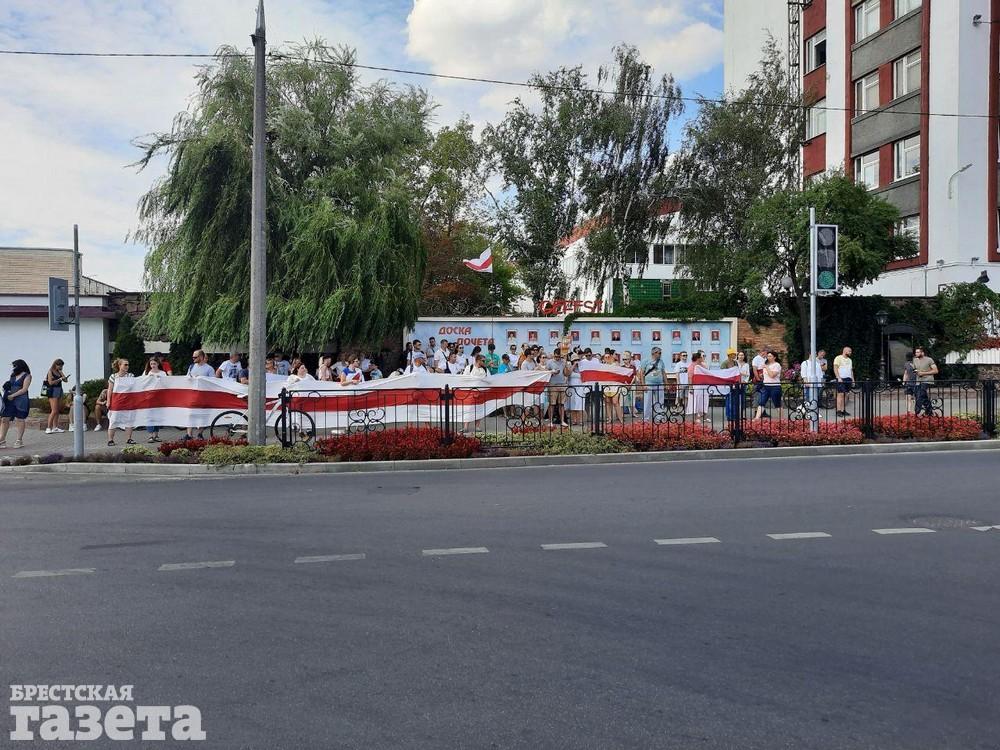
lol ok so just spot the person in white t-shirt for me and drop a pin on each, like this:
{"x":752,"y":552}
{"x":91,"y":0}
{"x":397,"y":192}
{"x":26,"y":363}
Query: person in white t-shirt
{"x":199,"y":369}
{"x":417,"y":364}
{"x":811,"y":372}
{"x":441,"y":356}
{"x":681,"y":370}
{"x":843,"y":370}
{"x":770,"y":390}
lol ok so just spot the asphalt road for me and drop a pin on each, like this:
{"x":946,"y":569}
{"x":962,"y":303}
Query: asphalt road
{"x":858,"y":639}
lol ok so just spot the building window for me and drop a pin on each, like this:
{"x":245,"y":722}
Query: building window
{"x":906,"y":74}
{"x":639,"y":257}
{"x":866,"y":170}
{"x":905,"y":6}
{"x":667,"y":255}
{"x":816,"y":119}
{"x":910,"y":227}
{"x":866,"y":94}
{"x":907,"y":157}
{"x":865,"y":19}
{"x":665,"y":289}
{"x":815,"y":51}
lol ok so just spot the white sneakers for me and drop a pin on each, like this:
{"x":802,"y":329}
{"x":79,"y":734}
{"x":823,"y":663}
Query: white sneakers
{"x":98,"y":428}
{"x":50,"y":430}
{"x":72,"y":428}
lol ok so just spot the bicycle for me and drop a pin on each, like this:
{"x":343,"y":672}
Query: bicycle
{"x":235,"y":425}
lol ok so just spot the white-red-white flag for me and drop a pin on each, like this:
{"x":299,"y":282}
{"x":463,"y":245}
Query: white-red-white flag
{"x":700,"y":375}
{"x":482,"y":264}
{"x":592,"y":371}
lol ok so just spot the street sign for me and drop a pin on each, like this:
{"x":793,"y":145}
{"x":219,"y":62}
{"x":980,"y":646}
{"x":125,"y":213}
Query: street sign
{"x":59,"y":314}
{"x":826,"y":280}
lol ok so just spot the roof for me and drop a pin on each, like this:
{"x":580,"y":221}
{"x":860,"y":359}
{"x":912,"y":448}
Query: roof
{"x":669,"y":206}
{"x":26,"y":270}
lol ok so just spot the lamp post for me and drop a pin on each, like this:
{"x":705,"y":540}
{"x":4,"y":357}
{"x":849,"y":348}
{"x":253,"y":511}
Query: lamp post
{"x":881,"y":317}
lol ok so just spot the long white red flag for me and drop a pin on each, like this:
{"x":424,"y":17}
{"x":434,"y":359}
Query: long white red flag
{"x":482,"y":264}
{"x":592,"y":371}
{"x":700,"y":375}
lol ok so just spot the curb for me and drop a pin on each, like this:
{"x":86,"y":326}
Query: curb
{"x":716,"y":454}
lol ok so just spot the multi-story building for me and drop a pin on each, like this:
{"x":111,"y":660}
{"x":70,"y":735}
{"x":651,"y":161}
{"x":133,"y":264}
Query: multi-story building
{"x":906,"y":99}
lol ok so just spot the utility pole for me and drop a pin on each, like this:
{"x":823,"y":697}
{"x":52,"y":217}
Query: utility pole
{"x":812,"y":309}
{"x":78,"y":419}
{"x":258,"y":246}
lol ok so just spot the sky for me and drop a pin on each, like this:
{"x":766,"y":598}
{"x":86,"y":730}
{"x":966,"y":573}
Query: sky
{"x":67,"y":124}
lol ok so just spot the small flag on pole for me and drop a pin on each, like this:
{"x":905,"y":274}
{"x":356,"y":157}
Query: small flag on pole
{"x":482,"y":264}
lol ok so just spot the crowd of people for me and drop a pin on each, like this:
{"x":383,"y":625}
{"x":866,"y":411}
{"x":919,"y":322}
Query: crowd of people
{"x":567,"y":401}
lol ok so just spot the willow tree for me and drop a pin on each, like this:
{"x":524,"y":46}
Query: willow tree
{"x":344,"y":253}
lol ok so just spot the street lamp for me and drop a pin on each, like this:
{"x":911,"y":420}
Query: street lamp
{"x":881,"y":317}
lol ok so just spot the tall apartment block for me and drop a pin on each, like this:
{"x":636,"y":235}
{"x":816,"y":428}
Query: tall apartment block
{"x":906,"y":100}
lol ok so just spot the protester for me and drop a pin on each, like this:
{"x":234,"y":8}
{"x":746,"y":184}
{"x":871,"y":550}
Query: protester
{"x":269,"y":367}
{"x":628,"y":391}
{"x":164,"y":363}
{"x":910,"y":380}
{"x":527,"y":361}
{"x":575,"y":392}
{"x":560,"y":370}
{"x":463,"y":360}
{"x":120,"y":374}
{"x":16,"y":402}
{"x":681,"y":369}
{"x":492,"y":360}
{"x":504,"y":365}
{"x":811,"y":373}
{"x":353,"y":374}
{"x":926,"y":369}
{"x":652,"y":376}
{"x":612,"y":397}
{"x":375,"y":373}
{"x":282,"y":365}
{"x":843,"y":368}
{"x":154,"y":369}
{"x":697,"y":398}
{"x":53,"y":387}
{"x":324,"y":372}
{"x":417,"y":349}
{"x":417,"y":365}
{"x":770,"y":388}
{"x":200,"y":368}
{"x":440,"y":361}
{"x":72,"y":411}
{"x":231,"y":368}
{"x":733,"y":401}
{"x":100,"y":409}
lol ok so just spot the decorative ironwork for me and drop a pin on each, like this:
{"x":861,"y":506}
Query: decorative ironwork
{"x":361,"y":421}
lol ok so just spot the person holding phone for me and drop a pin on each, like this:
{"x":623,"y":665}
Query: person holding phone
{"x":54,"y":380}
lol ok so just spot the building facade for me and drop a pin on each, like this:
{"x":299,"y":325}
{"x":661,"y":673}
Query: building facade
{"x":905,"y":99}
{"x":24,"y":315}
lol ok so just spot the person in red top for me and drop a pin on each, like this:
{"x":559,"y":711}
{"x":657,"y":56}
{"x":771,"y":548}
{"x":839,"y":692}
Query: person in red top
{"x":164,"y":364}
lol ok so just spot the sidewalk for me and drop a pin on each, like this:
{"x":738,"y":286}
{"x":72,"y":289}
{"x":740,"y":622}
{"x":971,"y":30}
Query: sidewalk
{"x":37,"y":443}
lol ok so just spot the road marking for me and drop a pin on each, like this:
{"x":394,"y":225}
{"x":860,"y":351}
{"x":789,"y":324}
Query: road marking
{"x":196,"y":565}
{"x":918,"y":530}
{"x":801,"y":535}
{"x":454,"y":551}
{"x":53,"y":573}
{"x":689,"y":540}
{"x":329,"y":558}
{"x":985,"y":528}
{"x":574,"y":545}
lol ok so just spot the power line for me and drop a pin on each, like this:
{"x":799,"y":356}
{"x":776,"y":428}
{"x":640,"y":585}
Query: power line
{"x":475,"y":79}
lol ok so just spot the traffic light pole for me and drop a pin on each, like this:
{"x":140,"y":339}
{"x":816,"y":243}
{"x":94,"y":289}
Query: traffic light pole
{"x":79,"y":422}
{"x":813,"y":281}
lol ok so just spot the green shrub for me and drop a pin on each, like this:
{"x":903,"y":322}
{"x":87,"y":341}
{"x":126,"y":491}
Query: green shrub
{"x":138,"y":450}
{"x":579,"y":443}
{"x":181,"y":454}
{"x":229,"y":455}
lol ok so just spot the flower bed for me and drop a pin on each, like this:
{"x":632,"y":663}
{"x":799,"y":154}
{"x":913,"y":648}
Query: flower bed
{"x":799,"y":432}
{"x":913,"y":427}
{"x":644,"y":436}
{"x":396,"y":445}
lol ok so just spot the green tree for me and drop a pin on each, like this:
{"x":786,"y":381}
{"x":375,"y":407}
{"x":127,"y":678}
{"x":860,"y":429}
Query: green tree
{"x":777,"y":236}
{"x":129,"y":345}
{"x":345,"y":249}
{"x":540,"y":156}
{"x":625,"y":181}
{"x":736,"y":153}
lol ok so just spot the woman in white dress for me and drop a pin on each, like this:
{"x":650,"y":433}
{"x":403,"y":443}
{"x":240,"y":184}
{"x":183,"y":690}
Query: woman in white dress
{"x":697,"y":402}
{"x":577,"y":404}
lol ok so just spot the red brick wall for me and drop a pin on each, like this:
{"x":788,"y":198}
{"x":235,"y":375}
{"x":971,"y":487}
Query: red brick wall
{"x":772,"y":336}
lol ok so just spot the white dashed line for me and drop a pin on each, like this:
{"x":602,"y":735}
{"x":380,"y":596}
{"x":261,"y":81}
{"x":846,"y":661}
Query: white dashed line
{"x":574,"y":545}
{"x":985,"y":528}
{"x":329,"y":558}
{"x":801,"y":535}
{"x":689,"y":540}
{"x":918,"y":530}
{"x":455,"y":551}
{"x":197,"y":565}
{"x":53,"y":573}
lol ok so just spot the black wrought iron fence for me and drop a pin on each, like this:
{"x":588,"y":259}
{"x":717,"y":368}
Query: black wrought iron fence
{"x":740,"y":413}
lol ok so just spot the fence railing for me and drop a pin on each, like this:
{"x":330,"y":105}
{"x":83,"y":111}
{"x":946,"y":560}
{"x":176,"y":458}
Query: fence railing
{"x":740,"y":413}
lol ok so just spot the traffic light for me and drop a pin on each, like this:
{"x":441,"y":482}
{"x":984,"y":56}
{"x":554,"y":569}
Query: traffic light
{"x":826,"y":279}
{"x":59,"y":314}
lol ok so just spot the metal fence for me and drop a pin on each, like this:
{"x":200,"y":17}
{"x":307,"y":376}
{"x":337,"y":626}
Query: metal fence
{"x":740,"y":413}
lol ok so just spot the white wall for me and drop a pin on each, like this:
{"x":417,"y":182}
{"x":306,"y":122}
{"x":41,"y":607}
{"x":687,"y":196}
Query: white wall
{"x":745,"y":26}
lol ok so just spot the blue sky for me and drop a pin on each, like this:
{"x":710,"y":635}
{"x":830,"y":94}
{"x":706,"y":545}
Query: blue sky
{"x":67,"y":123}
